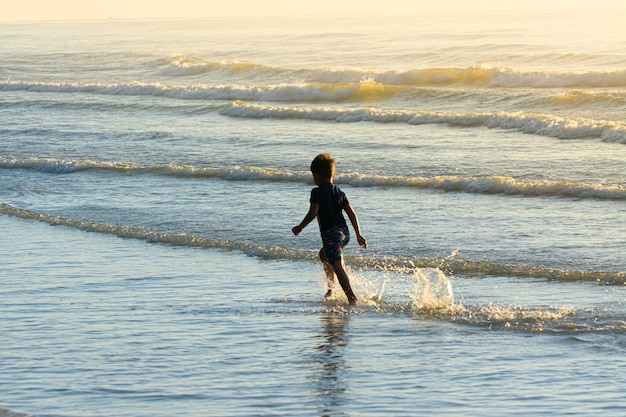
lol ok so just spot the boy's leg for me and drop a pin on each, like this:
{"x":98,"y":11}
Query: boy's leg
{"x":342,"y":276}
{"x":328,"y":270}
{"x":334,"y":242}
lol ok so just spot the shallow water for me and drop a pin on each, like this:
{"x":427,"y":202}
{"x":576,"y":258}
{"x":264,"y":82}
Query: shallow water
{"x":97,"y":325}
{"x":151,"y":172}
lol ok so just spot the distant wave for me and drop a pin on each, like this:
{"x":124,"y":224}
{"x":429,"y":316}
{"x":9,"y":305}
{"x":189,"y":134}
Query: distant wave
{"x":475,"y":76}
{"x":451,"y":183}
{"x":576,"y":98}
{"x":183,"y":66}
{"x":359,"y":91}
{"x":479,"y":77}
{"x":531,"y":123}
{"x":278,"y":84}
{"x":450,"y":265}
{"x":316,"y":92}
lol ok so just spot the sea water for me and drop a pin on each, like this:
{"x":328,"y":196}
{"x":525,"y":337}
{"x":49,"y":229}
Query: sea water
{"x":151,"y":172}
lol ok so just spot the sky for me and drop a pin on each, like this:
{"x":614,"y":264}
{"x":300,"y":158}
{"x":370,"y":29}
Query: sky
{"x":28,"y":10}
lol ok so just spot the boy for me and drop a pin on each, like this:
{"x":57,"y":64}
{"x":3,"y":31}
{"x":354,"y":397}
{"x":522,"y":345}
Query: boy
{"x":327,"y":203}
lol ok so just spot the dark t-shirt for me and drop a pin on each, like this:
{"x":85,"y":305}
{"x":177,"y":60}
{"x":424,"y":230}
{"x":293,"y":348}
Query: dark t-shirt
{"x":332,"y":201}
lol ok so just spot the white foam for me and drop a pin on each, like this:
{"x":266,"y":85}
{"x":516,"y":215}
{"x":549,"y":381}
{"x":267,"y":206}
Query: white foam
{"x":477,"y":76}
{"x":472,"y":76}
{"x":61,"y":166}
{"x":530,"y":123}
{"x":452,"y":183}
{"x":388,"y":265}
{"x":366,"y":92}
{"x":492,"y":185}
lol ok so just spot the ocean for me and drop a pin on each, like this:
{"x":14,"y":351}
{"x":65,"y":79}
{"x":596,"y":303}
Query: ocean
{"x":151,"y":172}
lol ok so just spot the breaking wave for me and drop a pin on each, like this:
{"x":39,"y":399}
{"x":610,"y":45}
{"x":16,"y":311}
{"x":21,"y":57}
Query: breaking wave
{"x":531,"y":123}
{"x":474,"y":76}
{"x":576,"y":98}
{"x":479,"y":77}
{"x":315,"y":91}
{"x":176,"y":239}
{"x":394,"y":264}
{"x":183,"y":66}
{"x":365,"y":92}
{"x":450,"y":183}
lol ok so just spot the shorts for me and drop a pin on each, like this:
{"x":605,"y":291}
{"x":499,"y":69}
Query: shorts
{"x":334,"y":241}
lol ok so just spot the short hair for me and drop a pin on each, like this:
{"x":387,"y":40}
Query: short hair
{"x":323,"y":165}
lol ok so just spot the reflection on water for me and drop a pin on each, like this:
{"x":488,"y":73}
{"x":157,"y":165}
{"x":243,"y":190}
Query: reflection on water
{"x":330,"y":378}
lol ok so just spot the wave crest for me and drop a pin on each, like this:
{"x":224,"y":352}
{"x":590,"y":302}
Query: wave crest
{"x":393,"y":264}
{"x":176,"y":239}
{"x":366,"y":92}
{"x":493,"y":185}
{"x":473,"y":76}
{"x":481,"y":77}
{"x":530,"y":123}
{"x":182,"y":66}
{"x":451,"y":183}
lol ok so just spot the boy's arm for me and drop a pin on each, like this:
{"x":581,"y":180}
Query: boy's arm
{"x":313,"y":210}
{"x":355,"y":225}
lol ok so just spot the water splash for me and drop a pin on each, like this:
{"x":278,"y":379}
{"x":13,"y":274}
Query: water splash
{"x":422,"y":289}
{"x":428,"y":293}
{"x":431,"y":290}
